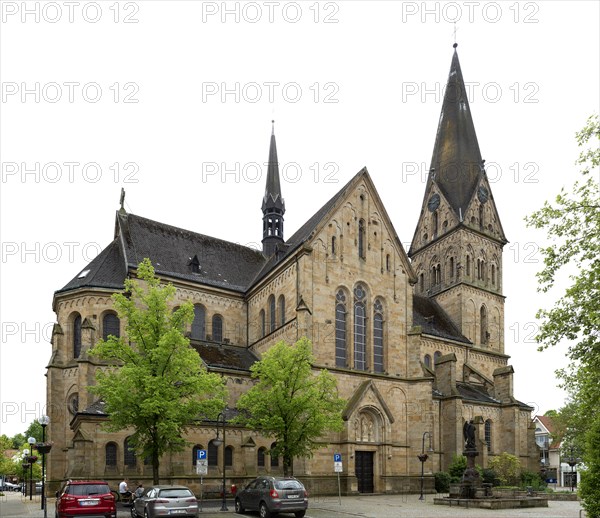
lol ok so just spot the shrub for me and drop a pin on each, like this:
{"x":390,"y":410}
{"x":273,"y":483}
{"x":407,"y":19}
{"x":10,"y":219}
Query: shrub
{"x":507,"y":468}
{"x":488,"y":476}
{"x":534,"y":480}
{"x":457,"y":468}
{"x":442,"y":482}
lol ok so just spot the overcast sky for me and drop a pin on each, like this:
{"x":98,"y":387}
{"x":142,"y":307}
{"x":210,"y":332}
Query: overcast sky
{"x":173,"y":101}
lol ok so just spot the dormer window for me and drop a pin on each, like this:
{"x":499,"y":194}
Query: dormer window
{"x":194,"y":264}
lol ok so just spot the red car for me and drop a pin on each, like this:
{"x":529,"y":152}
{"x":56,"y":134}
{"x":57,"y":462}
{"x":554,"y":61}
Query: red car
{"x":85,"y":497}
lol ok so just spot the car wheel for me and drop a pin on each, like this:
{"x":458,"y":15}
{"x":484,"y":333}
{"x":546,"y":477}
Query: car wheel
{"x":239,"y":509}
{"x":299,"y":514}
{"x":263,"y":511}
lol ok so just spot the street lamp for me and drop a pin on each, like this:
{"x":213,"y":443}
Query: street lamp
{"x":44,"y":448}
{"x":423,"y":457}
{"x":218,"y":442}
{"x":571,"y":461}
{"x":25,"y":466}
{"x":32,"y":459}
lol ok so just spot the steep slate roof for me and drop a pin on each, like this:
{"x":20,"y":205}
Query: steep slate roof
{"x":272,"y":196}
{"x":224,"y":356}
{"x":456,"y":157}
{"x":428,"y":314}
{"x":106,"y":270}
{"x":474,"y":393}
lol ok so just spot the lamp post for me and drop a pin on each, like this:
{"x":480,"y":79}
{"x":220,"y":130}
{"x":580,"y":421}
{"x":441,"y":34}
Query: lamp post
{"x":218,"y":442}
{"x":25,"y":467}
{"x":423,"y":457}
{"x":571,"y":461}
{"x":32,"y":459}
{"x":44,"y":448}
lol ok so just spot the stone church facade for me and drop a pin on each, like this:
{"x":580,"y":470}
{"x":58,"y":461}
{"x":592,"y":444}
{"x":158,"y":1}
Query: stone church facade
{"x":415,"y":340}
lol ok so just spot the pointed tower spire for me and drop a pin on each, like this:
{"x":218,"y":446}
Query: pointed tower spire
{"x":456,"y":161}
{"x":273,"y":206}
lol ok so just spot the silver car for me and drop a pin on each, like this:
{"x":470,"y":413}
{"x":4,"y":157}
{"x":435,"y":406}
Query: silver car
{"x":272,"y":495}
{"x":165,"y":501}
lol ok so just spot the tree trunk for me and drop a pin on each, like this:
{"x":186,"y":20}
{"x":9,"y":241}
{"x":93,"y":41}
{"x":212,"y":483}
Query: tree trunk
{"x":288,"y":465}
{"x":155,"y":465}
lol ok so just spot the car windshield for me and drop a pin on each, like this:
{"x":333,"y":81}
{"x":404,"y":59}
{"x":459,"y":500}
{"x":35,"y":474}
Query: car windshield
{"x":288,"y":484}
{"x":87,"y":489}
{"x":175,"y":493}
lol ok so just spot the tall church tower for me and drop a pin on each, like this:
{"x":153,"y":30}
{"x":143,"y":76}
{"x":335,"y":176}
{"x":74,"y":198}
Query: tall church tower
{"x":273,"y":206}
{"x":457,"y":246}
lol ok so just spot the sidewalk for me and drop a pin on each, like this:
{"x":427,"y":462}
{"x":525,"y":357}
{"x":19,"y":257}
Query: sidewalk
{"x":14,"y":505}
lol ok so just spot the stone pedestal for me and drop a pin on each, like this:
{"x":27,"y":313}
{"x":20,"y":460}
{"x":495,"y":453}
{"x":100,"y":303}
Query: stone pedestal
{"x":470,"y":480}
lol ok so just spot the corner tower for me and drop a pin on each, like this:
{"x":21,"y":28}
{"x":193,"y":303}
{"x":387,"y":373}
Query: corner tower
{"x":457,"y":246}
{"x":273,"y":206}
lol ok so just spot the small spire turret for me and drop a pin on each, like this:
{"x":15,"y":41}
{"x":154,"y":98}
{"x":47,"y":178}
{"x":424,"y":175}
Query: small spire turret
{"x":273,"y":206}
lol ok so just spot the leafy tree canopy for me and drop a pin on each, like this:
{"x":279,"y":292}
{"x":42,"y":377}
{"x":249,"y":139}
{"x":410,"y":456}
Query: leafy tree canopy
{"x":291,"y":402}
{"x":154,"y":383}
{"x":572,"y":224}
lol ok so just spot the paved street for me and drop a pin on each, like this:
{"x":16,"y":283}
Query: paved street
{"x":13,"y":505}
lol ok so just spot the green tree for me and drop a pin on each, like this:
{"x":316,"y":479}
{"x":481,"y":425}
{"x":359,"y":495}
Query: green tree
{"x":34,"y":430}
{"x":154,"y":383}
{"x":18,"y":440}
{"x":507,"y":468}
{"x":572,"y":224}
{"x":291,"y":403}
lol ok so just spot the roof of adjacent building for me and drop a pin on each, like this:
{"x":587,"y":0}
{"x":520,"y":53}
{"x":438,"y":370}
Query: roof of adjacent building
{"x":224,"y":356}
{"x":434,"y":321}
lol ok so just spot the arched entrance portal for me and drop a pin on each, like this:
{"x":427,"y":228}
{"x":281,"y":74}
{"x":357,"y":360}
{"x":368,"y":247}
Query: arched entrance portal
{"x":368,"y":435}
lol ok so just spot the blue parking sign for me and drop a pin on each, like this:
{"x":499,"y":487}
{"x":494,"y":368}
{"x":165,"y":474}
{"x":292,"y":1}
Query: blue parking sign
{"x":201,"y":454}
{"x":337,"y":457}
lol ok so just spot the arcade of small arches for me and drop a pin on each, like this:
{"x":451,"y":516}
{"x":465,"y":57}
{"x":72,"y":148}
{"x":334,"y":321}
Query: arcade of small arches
{"x":475,"y":269}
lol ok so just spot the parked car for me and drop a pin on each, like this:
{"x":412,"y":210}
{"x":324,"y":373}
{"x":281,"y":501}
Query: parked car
{"x":85,"y":497}
{"x":9,"y":486}
{"x":165,"y":500}
{"x":272,"y":495}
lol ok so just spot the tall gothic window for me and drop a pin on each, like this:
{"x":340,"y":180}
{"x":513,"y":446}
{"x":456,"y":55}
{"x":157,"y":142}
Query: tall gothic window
{"x":360,"y":329}
{"x":481,"y":218}
{"x":378,"y":336}
{"x":217,"y":328}
{"x":493,"y":275}
{"x":468,"y":265}
{"x":361,"y":239}
{"x":260,"y":457}
{"x":111,"y":326}
{"x":484,"y":325}
{"x":387,"y":263}
{"x":451,"y":268}
{"x":340,"y":329}
{"x":281,"y":310}
{"x":427,"y":361}
{"x":262,"y":323}
{"x":272,"y":315}
{"x":77,"y":336}
{"x":129,"y":454}
{"x":212,"y":453}
{"x":488,"y":434}
{"x":111,"y":454}
{"x":435,"y":223}
{"x":422,"y":282}
{"x":199,"y":323}
{"x":333,"y":243}
{"x":229,"y":456}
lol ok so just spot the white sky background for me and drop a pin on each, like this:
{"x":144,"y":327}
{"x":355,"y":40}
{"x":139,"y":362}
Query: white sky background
{"x":533,"y":66}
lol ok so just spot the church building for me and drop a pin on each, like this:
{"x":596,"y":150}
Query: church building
{"x":415,"y":340}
